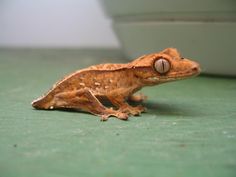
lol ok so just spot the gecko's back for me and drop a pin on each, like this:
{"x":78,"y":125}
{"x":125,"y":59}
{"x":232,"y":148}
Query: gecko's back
{"x":97,"y":78}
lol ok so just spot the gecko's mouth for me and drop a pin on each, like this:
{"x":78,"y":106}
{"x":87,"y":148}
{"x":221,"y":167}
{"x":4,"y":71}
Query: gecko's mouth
{"x":176,"y":76}
{"x":182,"y":75}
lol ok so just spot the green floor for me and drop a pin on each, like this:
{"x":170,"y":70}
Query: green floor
{"x":189,"y":129}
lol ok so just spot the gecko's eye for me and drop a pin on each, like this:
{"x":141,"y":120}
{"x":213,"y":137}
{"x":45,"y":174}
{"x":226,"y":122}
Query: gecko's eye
{"x":162,"y":66}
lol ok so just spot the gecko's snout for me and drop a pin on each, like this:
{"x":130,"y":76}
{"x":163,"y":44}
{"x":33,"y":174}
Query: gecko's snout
{"x":196,"y":68}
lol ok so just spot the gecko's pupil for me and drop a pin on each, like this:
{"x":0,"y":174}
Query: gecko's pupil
{"x":162,"y":66}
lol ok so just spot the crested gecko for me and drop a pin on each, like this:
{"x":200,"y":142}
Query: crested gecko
{"x":86,"y":89}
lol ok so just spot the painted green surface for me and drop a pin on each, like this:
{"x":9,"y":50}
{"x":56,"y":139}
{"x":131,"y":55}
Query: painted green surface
{"x":189,"y":130}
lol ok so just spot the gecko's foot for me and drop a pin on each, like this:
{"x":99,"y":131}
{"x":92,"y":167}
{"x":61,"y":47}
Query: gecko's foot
{"x":141,"y":108}
{"x":122,"y":115}
{"x":117,"y":114}
{"x":104,"y":117}
{"x":135,"y":111}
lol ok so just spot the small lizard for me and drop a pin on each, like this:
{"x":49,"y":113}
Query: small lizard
{"x":87,"y":89}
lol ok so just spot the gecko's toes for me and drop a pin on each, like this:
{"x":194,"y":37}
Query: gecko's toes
{"x":104,"y":118}
{"x":119,"y":115}
{"x":141,"y":108}
{"x":122,"y":116}
{"x":136,"y":111}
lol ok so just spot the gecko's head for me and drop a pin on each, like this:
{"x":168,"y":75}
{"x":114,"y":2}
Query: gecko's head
{"x":165,"y":66}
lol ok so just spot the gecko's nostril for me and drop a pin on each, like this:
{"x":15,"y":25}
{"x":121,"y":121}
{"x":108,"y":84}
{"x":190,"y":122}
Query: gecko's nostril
{"x":196,"y":69}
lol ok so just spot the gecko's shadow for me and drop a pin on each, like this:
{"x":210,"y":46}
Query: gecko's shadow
{"x":155,"y":108}
{"x":173,"y":109}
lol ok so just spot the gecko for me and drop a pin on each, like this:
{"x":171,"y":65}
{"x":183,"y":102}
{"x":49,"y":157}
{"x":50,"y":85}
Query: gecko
{"x":87,"y":89}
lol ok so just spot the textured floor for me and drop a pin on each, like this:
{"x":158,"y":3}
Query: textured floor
{"x":189,"y":129}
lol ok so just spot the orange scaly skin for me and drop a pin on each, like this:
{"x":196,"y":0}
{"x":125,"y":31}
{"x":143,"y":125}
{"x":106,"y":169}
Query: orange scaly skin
{"x":86,"y":89}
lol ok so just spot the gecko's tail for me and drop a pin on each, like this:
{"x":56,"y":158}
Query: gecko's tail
{"x":44,"y":102}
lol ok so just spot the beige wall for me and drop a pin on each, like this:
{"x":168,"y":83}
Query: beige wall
{"x":54,"y":23}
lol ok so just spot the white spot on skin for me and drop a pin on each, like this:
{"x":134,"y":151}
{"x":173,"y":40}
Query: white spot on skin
{"x":96,"y":83}
{"x":110,"y":80}
{"x":51,"y":107}
{"x":82,"y":84}
{"x":106,"y":87}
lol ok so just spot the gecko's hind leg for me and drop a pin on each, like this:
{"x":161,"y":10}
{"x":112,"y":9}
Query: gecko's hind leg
{"x":84,"y":100}
{"x":123,"y":106}
{"x":137,"y":98}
